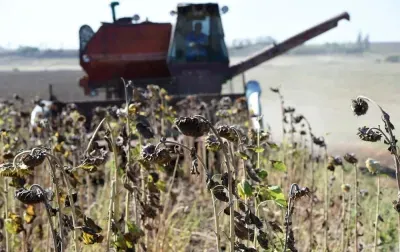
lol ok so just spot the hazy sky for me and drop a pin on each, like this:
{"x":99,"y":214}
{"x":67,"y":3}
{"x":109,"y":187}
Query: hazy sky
{"x":55,"y":23}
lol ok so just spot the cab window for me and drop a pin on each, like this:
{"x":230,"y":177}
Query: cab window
{"x":198,"y":38}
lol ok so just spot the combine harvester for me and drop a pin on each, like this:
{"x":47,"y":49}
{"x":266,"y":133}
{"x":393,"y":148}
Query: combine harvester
{"x":156,"y":53}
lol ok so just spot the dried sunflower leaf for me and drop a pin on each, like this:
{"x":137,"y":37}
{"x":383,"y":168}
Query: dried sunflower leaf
{"x":242,"y":155}
{"x":91,"y":224}
{"x":89,"y":236}
{"x":88,"y":167}
{"x":7,"y":170}
{"x":278,"y":165}
{"x":244,"y":189}
{"x":29,"y":214}
{"x":13,"y":224}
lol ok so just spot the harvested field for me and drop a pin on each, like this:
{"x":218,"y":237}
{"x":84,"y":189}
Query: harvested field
{"x":319,"y":86}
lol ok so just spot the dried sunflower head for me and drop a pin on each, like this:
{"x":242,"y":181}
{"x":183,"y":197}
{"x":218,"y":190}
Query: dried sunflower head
{"x":134,"y":108}
{"x":346,"y":187}
{"x":289,"y":110}
{"x":359,"y":106}
{"x":100,"y":112}
{"x":152,"y":154}
{"x":319,"y":141}
{"x":8,"y":155}
{"x":35,"y":158}
{"x":298,"y":119}
{"x":94,"y":159}
{"x":138,"y":94}
{"x":225,"y":103}
{"x":274,"y":90}
{"x":144,"y":130}
{"x":351,"y":158}
{"x":32,"y":196}
{"x":17,"y":182}
{"x":212,"y":143}
{"x":337,"y":160}
{"x":396,"y":205}
{"x":369,"y":135}
{"x":372,"y":165}
{"x":331,"y":167}
{"x":241,"y":104}
{"x":263,"y":135}
{"x":192,"y":126}
{"x":228,"y":133}
{"x":223,"y":113}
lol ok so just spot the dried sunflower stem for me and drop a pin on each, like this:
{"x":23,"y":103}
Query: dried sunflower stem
{"x":311,"y":227}
{"x":257,"y":211}
{"x":57,"y":192}
{"x":73,"y":210}
{"x":128,"y":156}
{"x":6,"y":211}
{"x":110,"y":214}
{"x":72,"y":205}
{"x":348,"y":221}
{"x":216,"y":223}
{"x":342,"y":242}
{"x":143,"y":187}
{"x":93,"y":136}
{"x":258,"y":146}
{"x":258,"y":166}
{"x":289,"y":213}
{"x":166,"y":206}
{"x":5,"y":197}
{"x":116,"y":182}
{"x":326,"y":209}
{"x":378,"y":189}
{"x":291,"y":173}
{"x":283,"y":115}
{"x":393,"y":150}
{"x":356,"y":208}
{"x":303,"y":156}
{"x":127,"y":202}
{"x":48,"y":207}
{"x":244,"y":178}
{"x":185,"y":147}
{"x":230,"y":189}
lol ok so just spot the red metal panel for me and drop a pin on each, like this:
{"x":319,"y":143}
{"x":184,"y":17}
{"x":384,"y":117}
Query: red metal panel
{"x":129,"y":51}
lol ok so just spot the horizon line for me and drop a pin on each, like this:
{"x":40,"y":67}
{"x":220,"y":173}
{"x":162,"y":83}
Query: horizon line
{"x":229,"y":46}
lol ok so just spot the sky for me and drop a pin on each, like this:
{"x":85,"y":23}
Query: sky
{"x":55,"y":23}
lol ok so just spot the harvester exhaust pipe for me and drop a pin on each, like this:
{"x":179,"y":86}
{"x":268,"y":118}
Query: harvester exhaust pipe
{"x":113,"y":5}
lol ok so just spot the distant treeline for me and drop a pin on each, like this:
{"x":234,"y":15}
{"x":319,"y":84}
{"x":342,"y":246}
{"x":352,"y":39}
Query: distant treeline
{"x":35,"y":52}
{"x":243,"y":48}
{"x":361,"y":45}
